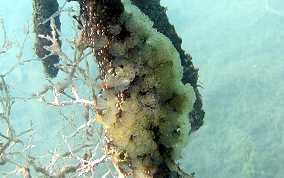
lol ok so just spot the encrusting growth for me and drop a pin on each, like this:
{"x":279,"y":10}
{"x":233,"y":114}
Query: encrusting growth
{"x":144,"y":105}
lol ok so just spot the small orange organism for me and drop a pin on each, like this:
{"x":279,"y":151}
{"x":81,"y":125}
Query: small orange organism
{"x":104,"y":85}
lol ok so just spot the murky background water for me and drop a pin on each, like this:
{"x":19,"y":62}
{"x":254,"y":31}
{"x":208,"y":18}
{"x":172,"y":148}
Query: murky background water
{"x":238,"y":46}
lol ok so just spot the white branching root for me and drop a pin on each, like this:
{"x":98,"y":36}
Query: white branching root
{"x":57,"y":102}
{"x":6,"y":43}
{"x":54,"y":49}
{"x":88,"y":166}
{"x":84,"y":141}
{"x":25,"y":171}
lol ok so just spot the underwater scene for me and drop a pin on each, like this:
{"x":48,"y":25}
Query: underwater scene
{"x":72,"y":117}
{"x":238,"y":47}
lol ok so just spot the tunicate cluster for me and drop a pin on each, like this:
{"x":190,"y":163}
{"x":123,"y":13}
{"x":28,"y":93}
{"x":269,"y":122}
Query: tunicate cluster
{"x":145,"y":105}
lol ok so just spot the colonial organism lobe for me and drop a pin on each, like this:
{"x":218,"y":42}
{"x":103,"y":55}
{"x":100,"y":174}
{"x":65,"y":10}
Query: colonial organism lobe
{"x":144,"y":104}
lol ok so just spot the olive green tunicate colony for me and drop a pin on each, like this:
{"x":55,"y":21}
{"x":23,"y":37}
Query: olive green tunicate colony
{"x":144,"y":105}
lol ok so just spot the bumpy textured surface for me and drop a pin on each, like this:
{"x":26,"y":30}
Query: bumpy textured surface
{"x":144,"y":105}
{"x":157,"y":14}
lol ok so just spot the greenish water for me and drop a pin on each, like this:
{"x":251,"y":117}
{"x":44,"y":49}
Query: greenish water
{"x":238,"y":46}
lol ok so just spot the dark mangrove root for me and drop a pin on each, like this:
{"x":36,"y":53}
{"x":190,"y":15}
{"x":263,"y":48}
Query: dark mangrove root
{"x":43,"y":10}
